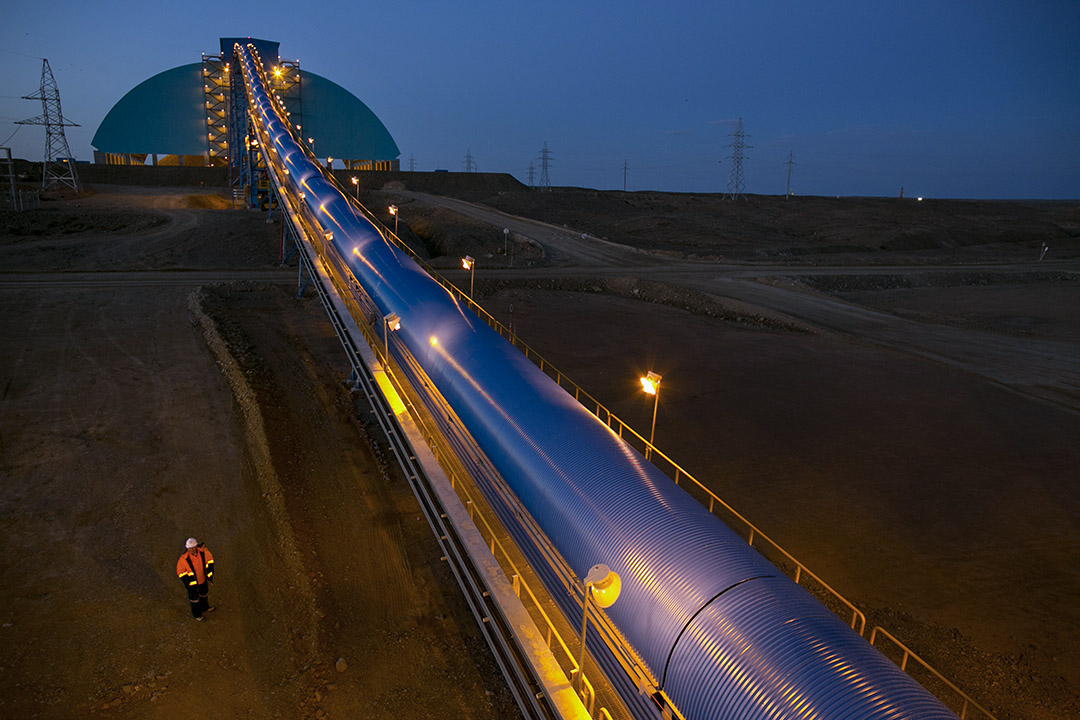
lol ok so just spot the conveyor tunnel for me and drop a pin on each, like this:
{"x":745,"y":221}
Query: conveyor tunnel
{"x":717,"y":631}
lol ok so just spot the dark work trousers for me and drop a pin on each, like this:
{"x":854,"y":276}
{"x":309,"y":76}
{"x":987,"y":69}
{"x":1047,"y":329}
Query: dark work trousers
{"x":197,"y":596}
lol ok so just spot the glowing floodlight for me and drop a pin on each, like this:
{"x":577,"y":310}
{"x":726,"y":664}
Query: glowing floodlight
{"x":394,"y":211}
{"x":651,"y":384}
{"x":469,"y":264}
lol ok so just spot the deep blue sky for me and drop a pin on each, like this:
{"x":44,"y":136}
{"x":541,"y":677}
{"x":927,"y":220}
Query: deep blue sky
{"x":946,"y":99}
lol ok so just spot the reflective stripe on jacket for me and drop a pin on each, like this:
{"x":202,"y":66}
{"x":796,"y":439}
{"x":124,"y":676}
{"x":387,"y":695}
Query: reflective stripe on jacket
{"x":196,"y":566}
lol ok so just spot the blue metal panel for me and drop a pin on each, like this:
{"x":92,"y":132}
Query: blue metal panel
{"x":267,"y":49}
{"x":164,"y":114}
{"x":326,"y":106}
{"x":781,"y":654}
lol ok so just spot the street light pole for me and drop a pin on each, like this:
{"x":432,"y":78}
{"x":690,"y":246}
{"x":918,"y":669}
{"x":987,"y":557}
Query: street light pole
{"x":656,"y":404}
{"x":580,"y":677}
{"x":651,"y":384}
{"x":605,"y":584}
{"x":356,"y":186}
{"x":394,"y":211}
{"x":391,"y":321}
{"x":469,"y":264}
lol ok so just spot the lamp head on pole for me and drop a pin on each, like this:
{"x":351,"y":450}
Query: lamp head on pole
{"x":606,"y":585}
{"x":393,"y":321}
{"x":393,"y":209}
{"x":467,"y":262}
{"x":651,"y":382}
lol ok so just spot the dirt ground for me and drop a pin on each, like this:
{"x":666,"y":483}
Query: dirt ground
{"x":160,"y":381}
{"x":143,"y":407}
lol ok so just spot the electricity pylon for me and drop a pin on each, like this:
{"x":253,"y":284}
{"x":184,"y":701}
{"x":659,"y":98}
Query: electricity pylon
{"x":736,"y":186}
{"x":545,"y":163}
{"x":789,"y":163}
{"x":58,"y":168}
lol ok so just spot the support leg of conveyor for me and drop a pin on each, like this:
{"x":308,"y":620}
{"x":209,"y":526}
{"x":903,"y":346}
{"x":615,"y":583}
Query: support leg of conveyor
{"x":300,"y":281}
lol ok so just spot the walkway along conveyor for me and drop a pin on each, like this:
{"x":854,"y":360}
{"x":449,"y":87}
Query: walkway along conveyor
{"x":521,"y":649}
{"x":704,"y":627}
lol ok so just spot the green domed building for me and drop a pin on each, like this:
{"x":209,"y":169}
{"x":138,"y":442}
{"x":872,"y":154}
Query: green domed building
{"x":183,"y":116}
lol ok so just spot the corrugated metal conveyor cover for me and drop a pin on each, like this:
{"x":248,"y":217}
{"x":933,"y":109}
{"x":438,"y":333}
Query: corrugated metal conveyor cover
{"x":596,"y":498}
{"x":767,"y":649}
{"x":728,"y":636}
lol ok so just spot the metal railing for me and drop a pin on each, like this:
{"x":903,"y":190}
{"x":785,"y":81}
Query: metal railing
{"x":757,"y":539}
{"x":433,"y":438}
{"x":353,"y":299}
{"x":789,"y":564}
{"x":959,"y":695}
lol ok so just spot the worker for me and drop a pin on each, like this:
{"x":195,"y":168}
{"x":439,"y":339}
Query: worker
{"x":196,"y":570}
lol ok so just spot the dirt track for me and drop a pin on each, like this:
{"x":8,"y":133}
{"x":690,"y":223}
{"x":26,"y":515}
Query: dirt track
{"x":938,"y":496}
{"x":138,"y":412}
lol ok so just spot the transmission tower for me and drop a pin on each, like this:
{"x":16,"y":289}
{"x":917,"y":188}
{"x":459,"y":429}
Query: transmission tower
{"x":736,"y":186}
{"x":412,"y":163}
{"x":789,"y":163}
{"x":470,"y":166}
{"x":545,"y":163}
{"x":532,"y":174}
{"x":625,"y":169}
{"x":58,"y":168}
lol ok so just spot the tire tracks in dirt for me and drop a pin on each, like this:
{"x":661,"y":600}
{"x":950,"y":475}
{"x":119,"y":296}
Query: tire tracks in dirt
{"x":259,"y":451}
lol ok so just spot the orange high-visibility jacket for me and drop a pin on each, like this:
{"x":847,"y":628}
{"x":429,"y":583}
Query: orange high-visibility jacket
{"x":195,"y":568}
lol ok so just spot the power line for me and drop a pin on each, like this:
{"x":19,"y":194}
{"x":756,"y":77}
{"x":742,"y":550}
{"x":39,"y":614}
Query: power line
{"x":5,"y":140}
{"x":12,"y":52}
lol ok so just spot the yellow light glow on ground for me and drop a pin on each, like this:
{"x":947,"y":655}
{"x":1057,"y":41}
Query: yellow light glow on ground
{"x":389,"y":392}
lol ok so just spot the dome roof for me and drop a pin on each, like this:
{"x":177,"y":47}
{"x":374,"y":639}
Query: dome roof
{"x":165,"y":115}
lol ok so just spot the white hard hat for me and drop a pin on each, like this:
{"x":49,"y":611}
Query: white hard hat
{"x":191,"y":542}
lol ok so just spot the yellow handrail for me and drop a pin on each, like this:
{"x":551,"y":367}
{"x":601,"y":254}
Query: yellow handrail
{"x":498,"y":550}
{"x":966,"y":701}
{"x":857,"y":619}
